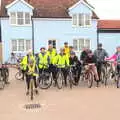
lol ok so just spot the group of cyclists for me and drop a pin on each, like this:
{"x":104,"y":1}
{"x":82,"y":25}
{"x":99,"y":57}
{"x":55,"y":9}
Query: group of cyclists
{"x":50,"y":60}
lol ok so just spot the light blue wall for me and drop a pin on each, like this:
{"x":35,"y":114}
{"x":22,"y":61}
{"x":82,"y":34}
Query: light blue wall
{"x":19,"y":6}
{"x":81,"y":8}
{"x":11,"y":32}
{"x":62,"y":31}
{"x":46,"y":29}
{"x":110,"y":41}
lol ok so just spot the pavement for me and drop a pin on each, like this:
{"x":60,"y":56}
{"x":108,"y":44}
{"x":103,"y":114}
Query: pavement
{"x":80,"y":103}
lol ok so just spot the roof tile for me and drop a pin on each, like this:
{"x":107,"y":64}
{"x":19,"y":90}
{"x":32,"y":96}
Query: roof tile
{"x":49,"y":8}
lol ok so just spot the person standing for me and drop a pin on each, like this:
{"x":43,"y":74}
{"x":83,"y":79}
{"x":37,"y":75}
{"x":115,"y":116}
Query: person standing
{"x":26,"y":62}
{"x":100,"y":55}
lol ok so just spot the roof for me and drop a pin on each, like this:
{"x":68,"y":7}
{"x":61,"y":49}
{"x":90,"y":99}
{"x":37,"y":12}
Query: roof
{"x":109,"y":24}
{"x":49,"y":8}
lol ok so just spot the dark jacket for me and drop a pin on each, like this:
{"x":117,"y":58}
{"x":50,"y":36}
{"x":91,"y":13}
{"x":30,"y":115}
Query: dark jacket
{"x":74,"y":60}
{"x":100,"y":54}
{"x":83,"y":55}
{"x":89,"y":60}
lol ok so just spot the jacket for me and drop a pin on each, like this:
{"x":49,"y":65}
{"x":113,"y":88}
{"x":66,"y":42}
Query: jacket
{"x":100,"y":54}
{"x":43,"y":60}
{"x":25,"y":61}
{"x":52,"y":54}
{"x":62,"y":61}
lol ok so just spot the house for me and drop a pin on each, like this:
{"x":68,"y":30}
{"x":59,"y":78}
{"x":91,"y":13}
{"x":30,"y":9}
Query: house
{"x":29,"y":24}
{"x":109,"y":34}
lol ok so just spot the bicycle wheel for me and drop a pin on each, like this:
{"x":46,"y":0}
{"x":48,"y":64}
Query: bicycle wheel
{"x":90,"y":79}
{"x":45,"y":81}
{"x":19,"y":75}
{"x":60,"y":79}
{"x":71,"y":80}
{"x":31,"y":89}
{"x":118,"y":81}
{"x":2,"y":82}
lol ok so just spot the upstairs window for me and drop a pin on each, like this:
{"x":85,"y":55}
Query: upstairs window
{"x":20,"y":18}
{"x":81,"y":20}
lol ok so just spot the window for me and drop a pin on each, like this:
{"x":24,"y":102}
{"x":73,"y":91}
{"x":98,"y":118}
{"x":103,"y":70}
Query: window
{"x":20,"y":18}
{"x":53,"y":42}
{"x":79,"y":44}
{"x":82,"y":20}
{"x":87,"y":19}
{"x":74,"y":19}
{"x":21,"y":45}
{"x":27,"y":18}
{"x":13,"y":18}
{"x":28,"y":44}
{"x":14,"y":45}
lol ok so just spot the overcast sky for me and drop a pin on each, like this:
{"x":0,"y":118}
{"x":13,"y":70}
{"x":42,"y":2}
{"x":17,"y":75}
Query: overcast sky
{"x":106,"y":9}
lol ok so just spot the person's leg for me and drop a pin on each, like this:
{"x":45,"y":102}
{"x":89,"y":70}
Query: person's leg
{"x":35,"y":84}
{"x":99,"y":67}
{"x":79,"y":72}
{"x":64,"y":71}
{"x":94,"y":69}
{"x":28,"y":83}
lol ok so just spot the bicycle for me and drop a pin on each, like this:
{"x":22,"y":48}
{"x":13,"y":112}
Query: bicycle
{"x":88,"y":75}
{"x":45,"y":79}
{"x":117,"y":77}
{"x":19,"y":75}
{"x":5,"y":72}
{"x":2,"y":81}
{"x":71,"y":76}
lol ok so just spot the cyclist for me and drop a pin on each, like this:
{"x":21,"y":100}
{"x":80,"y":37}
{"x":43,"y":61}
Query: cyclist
{"x":115,"y":58}
{"x":100,"y":54}
{"x":66,"y":49}
{"x":31,"y":72}
{"x":74,"y":61}
{"x":91,"y":59}
{"x":26,"y":61}
{"x":43,"y":60}
{"x":84,"y":54}
{"x":62,"y":61}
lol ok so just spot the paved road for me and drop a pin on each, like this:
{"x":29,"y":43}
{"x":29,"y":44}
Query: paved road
{"x":77,"y":104}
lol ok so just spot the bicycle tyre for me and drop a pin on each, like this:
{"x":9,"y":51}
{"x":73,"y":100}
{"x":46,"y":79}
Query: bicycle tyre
{"x":2,"y":82}
{"x":118,"y":81}
{"x":19,"y":75}
{"x":70,"y":79}
{"x":90,"y":78}
{"x":42,"y":81}
{"x":60,"y":80}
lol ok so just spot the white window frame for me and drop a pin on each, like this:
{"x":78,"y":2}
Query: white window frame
{"x":16,"y":24}
{"x":84,"y":18}
{"x":78,"y":40}
{"x":52,"y":40}
{"x":17,"y":51}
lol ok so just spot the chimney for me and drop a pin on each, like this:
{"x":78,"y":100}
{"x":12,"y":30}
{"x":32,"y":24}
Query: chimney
{"x":2,"y":8}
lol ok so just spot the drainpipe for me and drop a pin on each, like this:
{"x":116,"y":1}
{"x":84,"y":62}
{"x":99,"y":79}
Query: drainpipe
{"x":97,"y":36}
{"x":33,"y":35}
